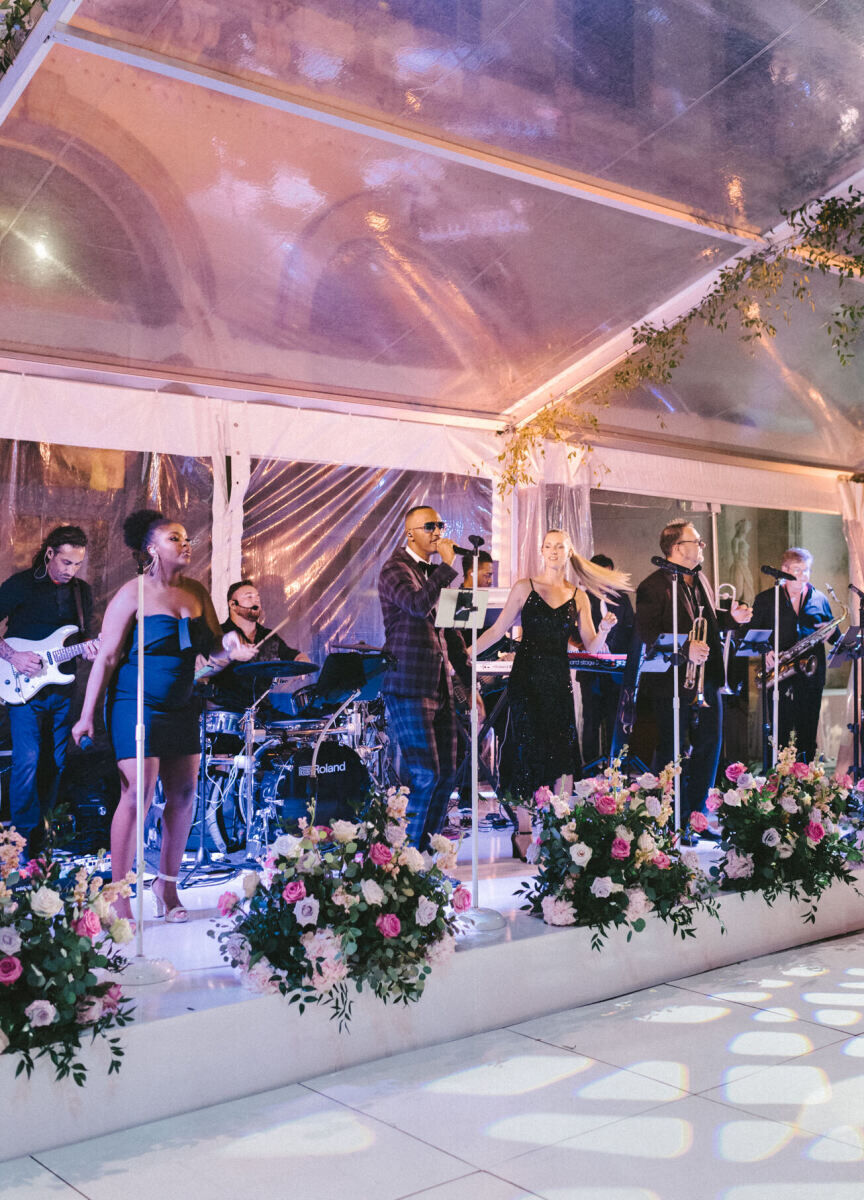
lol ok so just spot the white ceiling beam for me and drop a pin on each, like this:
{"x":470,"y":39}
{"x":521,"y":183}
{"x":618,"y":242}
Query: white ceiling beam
{"x":369,"y":124}
{"x":32,"y":52}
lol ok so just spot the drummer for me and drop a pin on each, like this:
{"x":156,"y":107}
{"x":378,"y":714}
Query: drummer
{"x":245,"y":615}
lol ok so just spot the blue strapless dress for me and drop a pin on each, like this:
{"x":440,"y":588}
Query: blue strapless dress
{"x":171,"y":712}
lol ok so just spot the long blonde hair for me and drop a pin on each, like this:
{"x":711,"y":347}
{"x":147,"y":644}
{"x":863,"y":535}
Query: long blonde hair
{"x":599,"y":581}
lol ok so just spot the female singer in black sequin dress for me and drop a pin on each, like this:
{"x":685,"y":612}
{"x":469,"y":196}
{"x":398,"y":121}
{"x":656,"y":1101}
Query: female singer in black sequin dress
{"x":553,"y":612}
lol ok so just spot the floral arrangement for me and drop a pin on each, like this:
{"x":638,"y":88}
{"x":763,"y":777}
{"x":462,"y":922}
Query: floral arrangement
{"x":17,"y":18}
{"x":789,"y":831}
{"x":349,"y":904}
{"x":608,"y":857}
{"x":55,"y":986}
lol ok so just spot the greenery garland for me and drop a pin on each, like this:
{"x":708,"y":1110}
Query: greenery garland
{"x":18,"y":20}
{"x":756,"y":290}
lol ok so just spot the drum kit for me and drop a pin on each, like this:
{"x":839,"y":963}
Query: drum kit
{"x":317,"y":749}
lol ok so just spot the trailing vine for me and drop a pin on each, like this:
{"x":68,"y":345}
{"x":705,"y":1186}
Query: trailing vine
{"x":753,"y":293}
{"x":18,"y":19}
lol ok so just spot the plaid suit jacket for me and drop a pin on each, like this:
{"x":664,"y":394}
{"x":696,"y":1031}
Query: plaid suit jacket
{"x":408,"y":598}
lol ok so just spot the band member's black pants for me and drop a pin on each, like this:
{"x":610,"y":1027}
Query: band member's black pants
{"x":45,"y":721}
{"x":701,"y":736}
{"x":800,"y":702}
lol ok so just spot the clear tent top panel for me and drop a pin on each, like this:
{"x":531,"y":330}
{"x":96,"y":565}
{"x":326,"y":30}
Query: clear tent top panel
{"x":150,"y":224}
{"x":732,"y":108}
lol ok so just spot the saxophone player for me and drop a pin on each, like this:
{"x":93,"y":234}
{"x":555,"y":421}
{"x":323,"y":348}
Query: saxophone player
{"x":802,"y":610}
{"x":701,"y":728}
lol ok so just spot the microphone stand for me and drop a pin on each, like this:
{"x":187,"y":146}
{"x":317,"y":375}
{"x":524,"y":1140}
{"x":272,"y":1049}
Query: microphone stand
{"x":775,"y":711}
{"x":675,"y":570}
{"x":142,"y":970}
{"x":856,"y":691}
{"x":478,"y":920}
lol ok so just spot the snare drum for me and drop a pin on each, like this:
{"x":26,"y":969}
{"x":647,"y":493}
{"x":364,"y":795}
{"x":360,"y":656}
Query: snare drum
{"x":221,"y":720}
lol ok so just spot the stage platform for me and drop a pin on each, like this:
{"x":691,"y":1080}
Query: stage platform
{"x":204,"y":1038}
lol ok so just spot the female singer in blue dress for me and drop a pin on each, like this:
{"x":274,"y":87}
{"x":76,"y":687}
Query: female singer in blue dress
{"x":540,"y":696}
{"x":179,"y":623}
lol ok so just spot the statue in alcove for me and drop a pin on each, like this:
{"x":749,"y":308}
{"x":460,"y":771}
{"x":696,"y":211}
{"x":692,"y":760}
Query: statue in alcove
{"x":739,"y":572}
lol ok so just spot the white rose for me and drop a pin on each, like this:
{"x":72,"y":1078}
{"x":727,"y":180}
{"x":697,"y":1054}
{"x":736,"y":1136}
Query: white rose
{"x":120,"y":931}
{"x":646,"y":843}
{"x":580,"y":853}
{"x":427,"y":911}
{"x":585,"y":787}
{"x":621,"y":831}
{"x":46,"y":902}
{"x":343,"y":832}
{"x":411,"y":858}
{"x":560,"y":807}
{"x":732,"y":798}
{"x":10,"y":940}
{"x":647,"y":781}
{"x":286,"y":846}
{"x":602,"y":887}
{"x":771,"y":837}
{"x":373,"y":893}
{"x":745,"y":781}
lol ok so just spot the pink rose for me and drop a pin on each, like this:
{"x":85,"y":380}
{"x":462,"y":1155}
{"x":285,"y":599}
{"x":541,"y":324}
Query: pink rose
{"x":10,"y":969}
{"x":461,"y":899}
{"x":801,"y":770}
{"x":844,"y":780}
{"x":661,"y":860}
{"x":714,"y":800}
{"x":814,"y":831}
{"x":543,"y":796}
{"x":734,"y":770}
{"x":620,"y":848}
{"x":389,"y":925}
{"x":698,"y":822}
{"x":380,"y":856}
{"x":88,"y":1010}
{"x":226,"y":903}
{"x":605,"y":804}
{"x":88,"y":925}
{"x":294,"y":891}
{"x":111,"y":999}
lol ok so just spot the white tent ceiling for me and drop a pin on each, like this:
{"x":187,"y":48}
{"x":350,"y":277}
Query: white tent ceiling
{"x":446,"y":208}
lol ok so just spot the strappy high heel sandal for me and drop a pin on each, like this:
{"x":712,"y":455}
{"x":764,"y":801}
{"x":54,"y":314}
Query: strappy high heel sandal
{"x":174,"y":916}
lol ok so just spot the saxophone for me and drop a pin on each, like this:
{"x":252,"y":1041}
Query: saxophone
{"x":798,"y":659}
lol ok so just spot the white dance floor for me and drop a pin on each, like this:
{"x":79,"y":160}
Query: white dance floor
{"x":744,"y":1083}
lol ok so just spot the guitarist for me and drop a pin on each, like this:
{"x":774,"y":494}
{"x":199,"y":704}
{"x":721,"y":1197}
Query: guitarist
{"x":35,"y":603}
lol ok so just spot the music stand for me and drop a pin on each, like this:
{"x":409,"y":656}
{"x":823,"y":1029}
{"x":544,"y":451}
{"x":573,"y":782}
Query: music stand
{"x":459,"y":608}
{"x":849,"y":648}
{"x":756,"y":643}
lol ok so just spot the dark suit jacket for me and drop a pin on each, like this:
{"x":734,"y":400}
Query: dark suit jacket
{"x":408,"y":599}
{"x":654,"y":616}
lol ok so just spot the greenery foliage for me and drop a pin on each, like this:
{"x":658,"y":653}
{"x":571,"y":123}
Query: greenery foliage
{"x":607,"y":856}
{"x":790,"y":832}
{"x":57,"y":964}
{"x":17,"y":18}
{"x":352,"y":904}
{"x":751,"y":294}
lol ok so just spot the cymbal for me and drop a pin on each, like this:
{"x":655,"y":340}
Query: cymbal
{"x":275,"y":670}
{"x":358,"y":647}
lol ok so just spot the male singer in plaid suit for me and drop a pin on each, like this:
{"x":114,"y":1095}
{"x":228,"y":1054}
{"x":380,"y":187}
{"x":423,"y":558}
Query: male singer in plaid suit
{"x":418,"y":691}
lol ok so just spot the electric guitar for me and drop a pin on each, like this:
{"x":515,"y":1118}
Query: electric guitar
{"x":16,"y":688}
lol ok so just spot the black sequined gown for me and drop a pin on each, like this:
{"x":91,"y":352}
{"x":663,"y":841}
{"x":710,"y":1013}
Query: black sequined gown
{"x":542,"y":719}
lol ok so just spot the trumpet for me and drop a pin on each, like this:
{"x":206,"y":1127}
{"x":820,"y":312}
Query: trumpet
{"x":695,"y":674}
{"x":727,"y":591}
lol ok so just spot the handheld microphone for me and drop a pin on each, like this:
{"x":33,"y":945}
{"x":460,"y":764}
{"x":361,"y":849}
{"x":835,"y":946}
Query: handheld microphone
{"x":476,"y":542}
{"x":776,"y":573}
{"x":86,"y":743}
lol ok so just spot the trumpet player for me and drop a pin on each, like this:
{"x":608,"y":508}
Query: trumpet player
{"x":701,"y":674}
{"x":803,"y":610}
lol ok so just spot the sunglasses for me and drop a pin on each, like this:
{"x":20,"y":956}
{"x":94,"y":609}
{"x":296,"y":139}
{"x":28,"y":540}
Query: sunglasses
{"x":431,"y":526}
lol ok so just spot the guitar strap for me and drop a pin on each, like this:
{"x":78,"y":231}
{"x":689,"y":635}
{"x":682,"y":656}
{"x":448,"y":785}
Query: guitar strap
{"x":79,"y":608}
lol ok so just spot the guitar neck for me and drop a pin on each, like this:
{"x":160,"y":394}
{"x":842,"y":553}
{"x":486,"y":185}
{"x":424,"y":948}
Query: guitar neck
{"x":67,"y":653}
